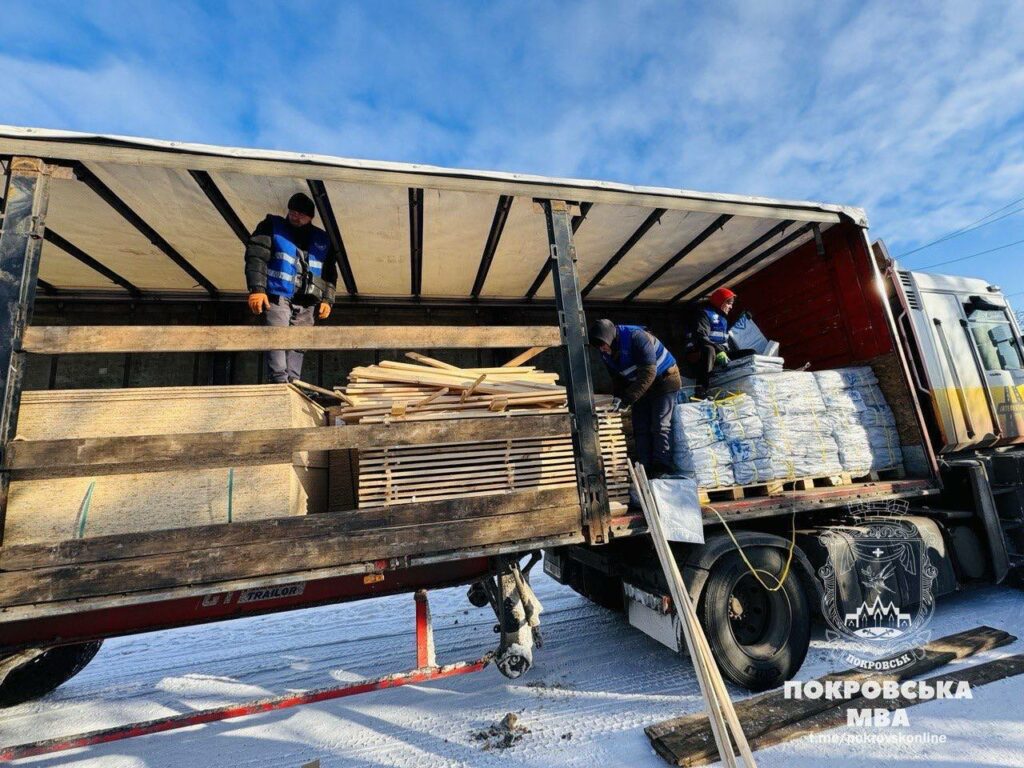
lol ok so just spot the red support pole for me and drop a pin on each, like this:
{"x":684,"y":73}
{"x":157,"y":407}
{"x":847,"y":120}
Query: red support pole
{"x":425,"y":656}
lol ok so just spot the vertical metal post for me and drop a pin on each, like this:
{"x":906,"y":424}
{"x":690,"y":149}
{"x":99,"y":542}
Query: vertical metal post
{"x":21,"y":238}
{"x":579,"y":385}
{"x":425,"y":654}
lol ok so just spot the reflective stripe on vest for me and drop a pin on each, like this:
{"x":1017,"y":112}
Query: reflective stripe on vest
{"x":623,"y":362}
{"x":718,"y":333}
{"x":286,"y":257}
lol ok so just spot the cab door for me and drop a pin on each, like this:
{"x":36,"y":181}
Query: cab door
{"x":991,"y":330}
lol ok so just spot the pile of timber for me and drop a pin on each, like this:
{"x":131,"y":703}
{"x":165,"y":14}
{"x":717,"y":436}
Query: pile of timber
{"x":429,"y":389}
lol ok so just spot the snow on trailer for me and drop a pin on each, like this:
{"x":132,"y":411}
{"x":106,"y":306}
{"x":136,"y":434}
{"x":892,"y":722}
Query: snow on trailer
{"x":463,"y":261}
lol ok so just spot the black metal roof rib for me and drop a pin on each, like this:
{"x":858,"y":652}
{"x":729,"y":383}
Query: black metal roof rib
{"x":48,"y":288}
{"x":774,"y":231}
{"x":685,"y":251}
{"x":209,"y":186}
{"x":493,"y":238}
{"x":326,"y":211}
{"x":110,"y":198}
{"x":416,"y":239}
{"x":627,"y":246}
{"x":546,"y":269}
{"x":74,"y":251}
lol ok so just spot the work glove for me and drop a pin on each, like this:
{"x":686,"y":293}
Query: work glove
{"x":258,"y":302}
{"x":721,"y":359}
{"x":325,"y":310}
{"x":616,"y":404}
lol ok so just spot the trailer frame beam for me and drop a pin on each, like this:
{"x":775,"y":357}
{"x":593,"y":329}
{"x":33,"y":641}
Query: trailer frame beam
{"x":579,"y":384}
{"x":25,"y":203}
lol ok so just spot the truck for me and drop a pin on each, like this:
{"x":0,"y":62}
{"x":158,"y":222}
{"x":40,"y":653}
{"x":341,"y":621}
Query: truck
{"x":120,"y":266}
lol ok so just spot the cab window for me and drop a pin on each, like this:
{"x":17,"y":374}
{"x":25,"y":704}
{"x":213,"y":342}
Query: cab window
{"x":995,"y":339}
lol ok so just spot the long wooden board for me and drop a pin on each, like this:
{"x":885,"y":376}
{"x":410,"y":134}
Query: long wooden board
{"x":687,"y":740}
{"x":83,"y":339}
{"x":330,"y":548}
{"x":155,"y":453}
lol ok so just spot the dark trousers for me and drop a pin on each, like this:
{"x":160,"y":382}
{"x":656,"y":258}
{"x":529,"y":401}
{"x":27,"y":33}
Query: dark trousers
{"x":285,"y":365}
{"x":652,"y":426}
{"x":698,"y":364}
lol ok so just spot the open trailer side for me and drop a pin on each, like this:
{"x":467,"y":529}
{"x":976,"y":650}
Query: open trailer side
{"x":131,"y":250}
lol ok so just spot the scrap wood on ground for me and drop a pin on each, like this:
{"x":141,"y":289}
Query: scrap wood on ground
{"x":772,"y":718}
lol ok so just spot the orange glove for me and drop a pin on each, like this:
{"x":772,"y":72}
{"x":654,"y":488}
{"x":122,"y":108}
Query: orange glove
{"x":325,"y":310}
{"x":258,"y":302}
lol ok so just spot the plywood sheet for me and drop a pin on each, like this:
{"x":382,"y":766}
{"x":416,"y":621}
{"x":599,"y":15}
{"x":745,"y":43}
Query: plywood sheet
{"x":455,"y":229}
{"x":82,"y":218}
{"x":738,"y":233}
{"x":598,"y":238}
{"x":662,"y":242}
{"x":64,"y":271}
{"x":521,"y":252}
{"x":171,"y":202}
{"x":253,"y":197}
{"x":374,"y":223}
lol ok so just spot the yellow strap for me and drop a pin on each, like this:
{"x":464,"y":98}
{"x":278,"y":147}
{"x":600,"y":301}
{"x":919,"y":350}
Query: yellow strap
{"x":781,"y":579}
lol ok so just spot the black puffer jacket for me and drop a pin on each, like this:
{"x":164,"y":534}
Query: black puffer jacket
{"x":258,"y":252}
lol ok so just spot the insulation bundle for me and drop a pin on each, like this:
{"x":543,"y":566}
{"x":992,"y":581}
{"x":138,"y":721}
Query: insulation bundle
{"x":862,"y":422}
{"x":797,"y":434}
{"x":720,"y":442}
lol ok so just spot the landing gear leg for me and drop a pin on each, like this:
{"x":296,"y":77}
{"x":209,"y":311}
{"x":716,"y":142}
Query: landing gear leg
{"x":518,"y":612}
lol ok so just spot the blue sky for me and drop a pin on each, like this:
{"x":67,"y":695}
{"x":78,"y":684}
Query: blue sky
{"x":913,"y":111}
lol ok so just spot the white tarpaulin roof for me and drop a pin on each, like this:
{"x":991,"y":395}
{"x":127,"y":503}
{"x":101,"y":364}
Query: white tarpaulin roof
{"x":161,"y":184}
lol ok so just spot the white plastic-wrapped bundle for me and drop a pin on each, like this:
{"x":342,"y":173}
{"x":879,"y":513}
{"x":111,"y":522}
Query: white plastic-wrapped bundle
{"x":745,"y":366}
{"x":796,"y":430}
{"x":710,"y":466}
{"x":863,"y":424}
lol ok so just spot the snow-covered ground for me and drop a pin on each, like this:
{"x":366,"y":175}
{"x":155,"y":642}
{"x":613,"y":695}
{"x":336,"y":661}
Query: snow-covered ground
{"x":596,"y":684}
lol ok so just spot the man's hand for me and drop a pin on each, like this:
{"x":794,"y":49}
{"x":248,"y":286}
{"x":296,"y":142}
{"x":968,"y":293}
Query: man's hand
{"x":721,"y":359}
{"x":616,"y":404}
{"x":325,"y":310}
{"x":258,"y":302}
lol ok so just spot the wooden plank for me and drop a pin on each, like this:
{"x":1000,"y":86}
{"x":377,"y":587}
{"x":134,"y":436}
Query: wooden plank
{"x":66,"y":340}
{"x":254,"y":558}
{"x":154,"y":453}
{"x":521,"y":358}
{"x":687,"y":740}
{"x":125,"y":546}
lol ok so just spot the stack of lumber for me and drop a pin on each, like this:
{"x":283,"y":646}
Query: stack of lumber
{"x":431,"y":389}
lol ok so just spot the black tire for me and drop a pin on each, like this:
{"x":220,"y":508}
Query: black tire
{"x":46,"y":672}
{"x":759,"y":638}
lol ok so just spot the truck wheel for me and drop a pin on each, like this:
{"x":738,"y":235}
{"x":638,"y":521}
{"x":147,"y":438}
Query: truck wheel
{"x":46,"y":672}
{"x":759,"y":638}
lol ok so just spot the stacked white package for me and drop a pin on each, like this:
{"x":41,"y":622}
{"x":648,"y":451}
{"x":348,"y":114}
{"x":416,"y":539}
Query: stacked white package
{"x":698,"y":448}
{"x":797,"y":433}
{"x":721,"y":442}
{"x":862,"y":422}
{"x":745,"y":366}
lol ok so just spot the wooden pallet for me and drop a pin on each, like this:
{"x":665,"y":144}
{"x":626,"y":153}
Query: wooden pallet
{"x":822,"y":481}
{"x":876,"y":475}
{"x":737,"y":492}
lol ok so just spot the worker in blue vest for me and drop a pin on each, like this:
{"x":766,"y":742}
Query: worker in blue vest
{"x":707,"y":337}
{"x":646,"y":379}
{"x":291,"y":271}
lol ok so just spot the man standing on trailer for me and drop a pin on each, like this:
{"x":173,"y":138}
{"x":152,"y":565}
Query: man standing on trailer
{"x":707,"y":337}
{"x":647,"y":379}
{"x":291,"y":271}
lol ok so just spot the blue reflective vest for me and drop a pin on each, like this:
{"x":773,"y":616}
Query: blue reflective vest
{"x":285,"y":257}
{"x":624,"y":364}
{"x":719,"y":333}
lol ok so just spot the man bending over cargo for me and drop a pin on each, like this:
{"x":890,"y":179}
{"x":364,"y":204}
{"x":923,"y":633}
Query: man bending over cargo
{"x":291,"y":270}
{"x":707,"y":338}
{"x":647,"y":379}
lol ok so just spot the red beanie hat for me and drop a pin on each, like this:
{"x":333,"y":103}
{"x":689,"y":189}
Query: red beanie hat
{"x":720,"y":296}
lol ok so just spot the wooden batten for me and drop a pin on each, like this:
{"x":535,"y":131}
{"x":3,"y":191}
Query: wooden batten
{"x":65,"y":340}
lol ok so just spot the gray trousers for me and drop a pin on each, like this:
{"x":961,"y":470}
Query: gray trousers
{"x":652,"y":426}
{"x":285,"y":365}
